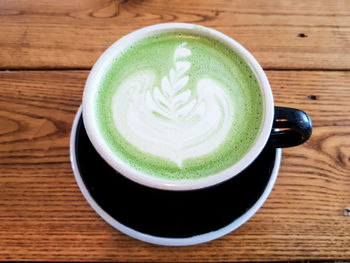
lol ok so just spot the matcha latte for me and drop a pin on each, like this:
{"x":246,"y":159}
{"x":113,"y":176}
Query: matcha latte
{"x":179,"y":106}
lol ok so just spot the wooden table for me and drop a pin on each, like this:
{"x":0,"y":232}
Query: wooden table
{"x":46,"y":51}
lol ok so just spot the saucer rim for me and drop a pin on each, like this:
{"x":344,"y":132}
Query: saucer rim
{"x":168,"y":241}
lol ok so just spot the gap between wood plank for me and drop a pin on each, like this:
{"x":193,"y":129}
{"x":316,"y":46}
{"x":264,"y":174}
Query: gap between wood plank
{"x":82,"y":69}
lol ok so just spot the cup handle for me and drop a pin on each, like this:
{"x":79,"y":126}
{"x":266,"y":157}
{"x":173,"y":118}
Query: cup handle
{"x":291,"y":127}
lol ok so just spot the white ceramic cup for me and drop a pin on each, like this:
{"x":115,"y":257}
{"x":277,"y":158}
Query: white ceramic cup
{"x":103,"y":64}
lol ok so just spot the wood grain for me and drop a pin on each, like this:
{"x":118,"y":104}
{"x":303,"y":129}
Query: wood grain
{"x":44,"y":217}
{"x":288,"y":34}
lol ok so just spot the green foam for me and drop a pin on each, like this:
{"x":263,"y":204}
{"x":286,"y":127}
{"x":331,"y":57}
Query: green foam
{"x":210,"y":58}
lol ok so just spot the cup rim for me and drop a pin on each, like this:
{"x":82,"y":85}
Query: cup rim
{"x":97,"y":140}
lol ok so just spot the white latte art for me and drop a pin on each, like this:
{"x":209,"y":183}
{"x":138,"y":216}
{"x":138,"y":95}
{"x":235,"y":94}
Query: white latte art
{"x":172,"y":120}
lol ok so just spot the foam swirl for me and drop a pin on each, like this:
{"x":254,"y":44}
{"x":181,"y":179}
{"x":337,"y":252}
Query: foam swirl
{"x":171,"y":120}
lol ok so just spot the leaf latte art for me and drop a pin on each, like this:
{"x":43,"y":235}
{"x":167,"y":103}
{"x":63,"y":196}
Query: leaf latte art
{"x":178,"y":106}
{"x":171,"y":120}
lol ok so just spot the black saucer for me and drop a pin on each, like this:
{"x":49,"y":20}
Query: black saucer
{"x":168,"y":214}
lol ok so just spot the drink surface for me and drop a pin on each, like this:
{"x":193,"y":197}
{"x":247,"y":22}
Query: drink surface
{"x":179,"y":106}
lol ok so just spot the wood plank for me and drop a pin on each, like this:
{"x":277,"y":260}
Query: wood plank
{"x":281,"y":34}
{"x":43,"y":215}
